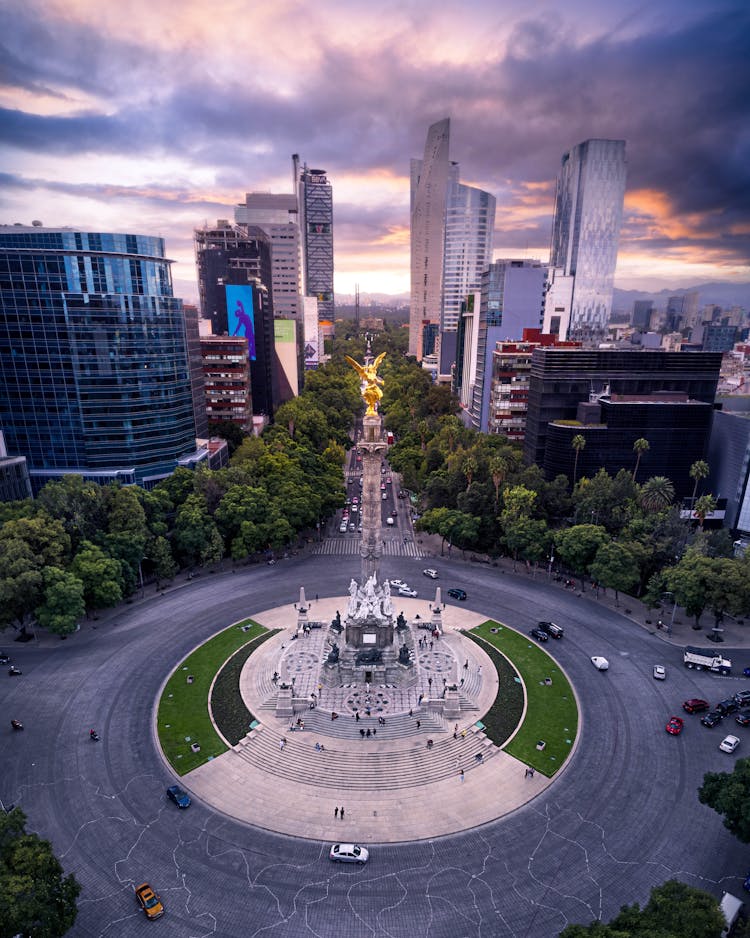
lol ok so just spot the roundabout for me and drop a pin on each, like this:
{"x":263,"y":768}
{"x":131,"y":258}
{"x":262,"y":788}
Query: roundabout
{"x":623,"y":816}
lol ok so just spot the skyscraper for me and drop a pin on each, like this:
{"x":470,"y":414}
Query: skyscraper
{"x":451,"y":242}
{"x":94,"y":372}
{"x":315,"y":201}
{"x":429,"y":193}
{"x":586,"y":230}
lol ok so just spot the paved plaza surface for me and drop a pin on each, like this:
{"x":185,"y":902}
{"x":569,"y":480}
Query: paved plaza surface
{"x":620,"y":819}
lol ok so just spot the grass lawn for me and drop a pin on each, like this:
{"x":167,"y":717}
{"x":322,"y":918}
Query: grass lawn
{"x":551,"y":711}
{"x":183,"y":717}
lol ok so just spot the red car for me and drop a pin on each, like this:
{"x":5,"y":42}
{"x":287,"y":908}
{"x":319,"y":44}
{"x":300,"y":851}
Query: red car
{"x":695,"y":705}
{"x":674,"y":726}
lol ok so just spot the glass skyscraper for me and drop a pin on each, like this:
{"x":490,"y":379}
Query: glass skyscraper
{"x":94,"y":369}
{"x":316,"y":227}
{"x":586,"y":230}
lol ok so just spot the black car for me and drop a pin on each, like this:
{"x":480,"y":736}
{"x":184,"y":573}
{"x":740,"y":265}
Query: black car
{"x":539,"y":635}
{"x":742,"y":697}
{"x":725,"y":707}
{"x":712,"y":719}
{"x":457,"y":593}
{"x":4,"y":659}
{"x":743,"y":718}
{"x":179,"y":796}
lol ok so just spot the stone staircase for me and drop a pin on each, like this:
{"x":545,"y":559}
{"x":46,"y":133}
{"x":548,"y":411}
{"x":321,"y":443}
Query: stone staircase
{"x":318,"y":722}
{"x":364,"y":765}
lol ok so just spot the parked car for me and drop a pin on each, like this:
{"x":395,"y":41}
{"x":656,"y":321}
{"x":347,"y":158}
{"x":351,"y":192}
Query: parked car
{"x":432,"y":574}
{"x":660,"y":672}
{"x":674,"y":726}
{"x":349,"y":853}
{"x":746,"y":672}
{"x":149,"y":901}
{"x":711,"y":719}
{"x":406,"y":591}
{"x":695,"y":705}
{"x":4,"y":659}
{"x":455,"y":593}
{"x":743,"y":719}
{"x":725,"y":707}
{"x":390,"y":522}
{"x":539,"y":635}
{"x":601,"y":664}
{"x":729,"y":743}
{"x":179,"y":796}
{"x":742,"y":697}
{"x":397,"y":583}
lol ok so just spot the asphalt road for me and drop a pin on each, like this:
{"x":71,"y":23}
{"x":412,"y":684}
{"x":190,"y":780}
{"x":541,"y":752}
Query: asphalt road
{"x":623,"y":817}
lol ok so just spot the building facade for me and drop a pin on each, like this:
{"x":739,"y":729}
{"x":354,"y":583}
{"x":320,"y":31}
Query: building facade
{"x":589,"y":197}
{"x":226,"y":379}
{"x":729,"y":460}
{"x":562,"y":379}
{"x":315,"y":203}
{"x":93,"y":356}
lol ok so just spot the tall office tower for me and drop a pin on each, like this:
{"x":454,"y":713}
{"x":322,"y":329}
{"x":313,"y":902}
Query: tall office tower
{"x":682,"y":312}
{"x":512,"y":301}
{"x":641,"y":316}
{"x":315,"y":201}
{"x":234,"y":285}
{"x":451,"y":244}
{"x":429,"y":195}
{"x":94,"y":372}
{"x":277,"y":215}
{"x":464,"y":374}
{"x":586,"y":230}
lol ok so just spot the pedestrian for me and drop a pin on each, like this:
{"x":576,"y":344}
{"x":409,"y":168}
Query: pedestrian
{"x":462,"y":683}
{"x":369,"y":732}
{"x":282,"y":743}
{"x":479,"y":671}
{"x":411,"y":712}
{"x":531,"y":771}
{"x":356,"y":715}
{"x":361,"y":732}
{"x":419,"y":723}
{"x":455,"y":734}
{"x":526,"y":773}
{"x":461,"y":774}
{"x":342,"y":812}
{"x":336,"y":811}
{"x":316,"y":597}
{"x":455,"y":728}
{"x":374,"y":731}
{"x":466,"y":664}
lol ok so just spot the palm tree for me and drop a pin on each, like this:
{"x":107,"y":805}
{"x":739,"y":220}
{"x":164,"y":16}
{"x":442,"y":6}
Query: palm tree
{"x":657,"y":493}
{"x":469,"y":467}
{"x":640,"y":447}
{"x":703,"y":507}
{"x":698,"y":471}
{"x":578,"y":443}
{"x":498,"y":471}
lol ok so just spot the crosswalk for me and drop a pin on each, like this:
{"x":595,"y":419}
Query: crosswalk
{"x":349,"y":546}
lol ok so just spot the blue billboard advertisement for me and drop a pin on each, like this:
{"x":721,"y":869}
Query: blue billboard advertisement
{"x":240,"y":320}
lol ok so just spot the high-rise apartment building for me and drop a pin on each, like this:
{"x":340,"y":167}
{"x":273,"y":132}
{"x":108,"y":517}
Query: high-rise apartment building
{"x":226,"y":376}
{"x":315,"y":202}
{"x":451,"y":242}
{"x":94,"y":371}
{"x":512,"y":301}
{"x":586,"y":230}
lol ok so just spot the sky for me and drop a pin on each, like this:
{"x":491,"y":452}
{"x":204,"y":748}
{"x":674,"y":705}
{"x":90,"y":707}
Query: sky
{"x":156,"y":117}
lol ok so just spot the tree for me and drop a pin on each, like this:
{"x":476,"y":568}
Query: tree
{"x":578,"y":443}
{"x":640,"y":447}
{"x":519,"y":504}
{"x":35,"y":898}
{"x":674,"y":910}
{"x":230,"y":431}
{"x":690,"y":581}
{"x":163,"y":564}
{"x":21,"y":583}
{"x":657,"y":493}
{"x":577,"y":547}
{"x":698,"y":471}
{"x":728,"y":793}
{"x":616,"y":566}
{"x":100,"y":575}
{"x":702,"y":507}
{"x":63,"y":603}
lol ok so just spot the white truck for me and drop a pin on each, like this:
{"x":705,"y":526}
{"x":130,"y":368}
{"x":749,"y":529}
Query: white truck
{"x":731,"y":907}
{"x":706,"y":659}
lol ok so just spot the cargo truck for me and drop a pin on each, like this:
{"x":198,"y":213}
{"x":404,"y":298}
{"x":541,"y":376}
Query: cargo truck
{"x":706,"y":659}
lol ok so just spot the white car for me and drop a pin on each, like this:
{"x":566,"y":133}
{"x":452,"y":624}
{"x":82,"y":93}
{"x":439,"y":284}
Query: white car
{"x":406,"y":591}
{"x":349,"y":853}
{"x":601,"y":664}
{"x":397,"y":583}
{"x":432,"y":574}
{"x":660,"y":672}
{"x":729,"y":744}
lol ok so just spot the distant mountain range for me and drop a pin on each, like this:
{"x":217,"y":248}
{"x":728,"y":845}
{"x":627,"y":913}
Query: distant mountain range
{"x":720,"y":293}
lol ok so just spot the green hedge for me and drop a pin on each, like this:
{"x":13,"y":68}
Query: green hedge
{"x":230,"y":714}
{"x":503,"y":717}
{"x":551,"y":709}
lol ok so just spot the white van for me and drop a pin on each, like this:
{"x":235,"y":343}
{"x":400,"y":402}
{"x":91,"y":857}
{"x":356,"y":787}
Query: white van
{"x":389,"y":522}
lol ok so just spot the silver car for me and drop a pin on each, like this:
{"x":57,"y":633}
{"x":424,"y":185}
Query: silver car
{"x":349,"y":853}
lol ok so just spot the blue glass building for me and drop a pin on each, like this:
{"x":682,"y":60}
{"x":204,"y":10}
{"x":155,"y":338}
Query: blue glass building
{"x":94,"y":374}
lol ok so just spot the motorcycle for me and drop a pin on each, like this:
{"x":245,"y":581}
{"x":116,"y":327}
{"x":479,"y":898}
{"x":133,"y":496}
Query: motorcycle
{"x":94,"y":736}
{"x":13,"y":670}
{"x":16,"y":724}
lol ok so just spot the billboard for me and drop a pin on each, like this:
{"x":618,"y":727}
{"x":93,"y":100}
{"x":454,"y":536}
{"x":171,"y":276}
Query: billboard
{"x":240,"y":319}
{"x":285,"y":346}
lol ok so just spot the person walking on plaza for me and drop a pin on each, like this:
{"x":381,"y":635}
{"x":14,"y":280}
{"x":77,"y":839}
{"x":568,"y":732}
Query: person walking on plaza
{"x":342,"y":812}
{"x":336,"y":811}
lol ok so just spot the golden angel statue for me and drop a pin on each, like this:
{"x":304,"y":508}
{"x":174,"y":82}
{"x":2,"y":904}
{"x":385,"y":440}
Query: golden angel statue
{"x":371,"y":392}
